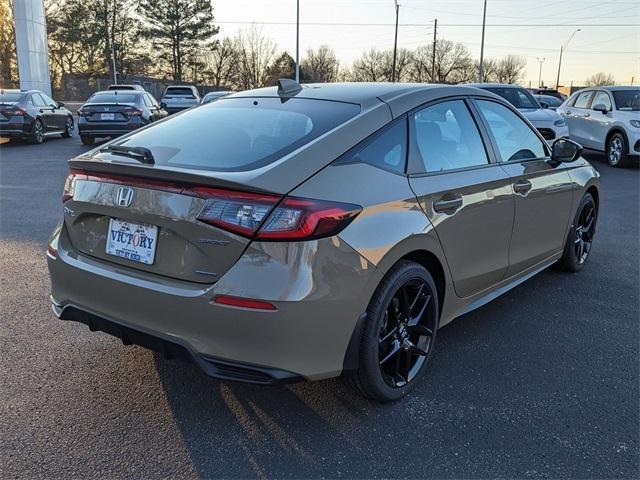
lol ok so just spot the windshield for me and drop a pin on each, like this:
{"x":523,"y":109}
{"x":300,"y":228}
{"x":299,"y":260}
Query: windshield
{"x":240,"y":134}
{"x":627,"y":100}
{"x":179,"y":91}
{"x":10,"y":97}
{"x":549,"y":100}
{"x":518,"y":97}
{"x":113,"y":97}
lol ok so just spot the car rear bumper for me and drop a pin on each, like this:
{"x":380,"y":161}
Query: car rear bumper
{"x":106,"y":129}
{"x":306,"y":338}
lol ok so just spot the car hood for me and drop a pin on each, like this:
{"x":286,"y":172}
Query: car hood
{"x":540,"y":114}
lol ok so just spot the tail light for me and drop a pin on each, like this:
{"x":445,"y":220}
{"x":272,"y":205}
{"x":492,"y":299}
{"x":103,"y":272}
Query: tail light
{"x":85,"y":112}
{"x":70,"y":185}
{"x":265,"y":217}
{"x":133,"y":112}
{"x":14,"y":111}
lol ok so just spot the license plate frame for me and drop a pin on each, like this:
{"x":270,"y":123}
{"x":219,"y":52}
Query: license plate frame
{"x":132,"y":241}
{"x":107,"y":116}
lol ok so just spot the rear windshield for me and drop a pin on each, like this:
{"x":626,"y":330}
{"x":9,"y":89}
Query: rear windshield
{"x":113,"y":97}
{"x":518,"y":97}
{"x":179,"y":91}
{"x":122,"y":87}
{"x":10,"y":97}
{"x":628,"y":100}
{"x":549,"y":100}
{"x":240,"y":134}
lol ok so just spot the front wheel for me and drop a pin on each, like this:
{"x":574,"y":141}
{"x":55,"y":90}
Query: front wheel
{"x":399,"y":334}
{"x":68,"y":128}
{"x":617,"y":150}
{"x":580,"y":239}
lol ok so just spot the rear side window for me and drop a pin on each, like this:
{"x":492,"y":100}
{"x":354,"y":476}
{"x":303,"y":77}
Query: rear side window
{"x":516,"y":141}
{"x":114,"y":97}
{"x":386,"y":149}
{"x":240,"y":134}
{"x":447,"y":137}
{"x":582,"y":100}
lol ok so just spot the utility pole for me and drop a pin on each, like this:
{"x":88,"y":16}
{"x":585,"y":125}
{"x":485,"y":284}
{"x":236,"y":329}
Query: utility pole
{"x":484,"y":19}
{"x":395,"y":44}
{"x":433,"y":54}
{"x":298,"y":41}
{"x":562,"y":49}
{"x":540,"y":61}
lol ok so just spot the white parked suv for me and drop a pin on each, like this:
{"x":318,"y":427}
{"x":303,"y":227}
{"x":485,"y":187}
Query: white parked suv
{"x":180,"y":97}
{"x":550,"y":125}
{"x":606,"y":119}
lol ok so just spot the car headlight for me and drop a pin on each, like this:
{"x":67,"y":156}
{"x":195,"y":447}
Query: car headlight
{"x":559,"y":123}
{"x":635,"y":123}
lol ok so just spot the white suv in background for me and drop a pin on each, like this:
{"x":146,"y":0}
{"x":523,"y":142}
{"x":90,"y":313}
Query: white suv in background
{"x":180,"y":97}
{"x":550,"y":125}
{"x":606,"y":119}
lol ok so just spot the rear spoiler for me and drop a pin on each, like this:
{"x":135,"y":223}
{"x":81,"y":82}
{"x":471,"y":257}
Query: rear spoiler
{"x":154,"y":172}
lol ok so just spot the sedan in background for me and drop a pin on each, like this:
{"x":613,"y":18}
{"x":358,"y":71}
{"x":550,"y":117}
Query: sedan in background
{"x":301,"y":233}
{"x":112,"y":113}
{"x":136,"y":87}
{"x":180,"y":97}
{"x":33,"y":115}
{"x":548,"y":91}
{"x":548,"y":101}
{"x":606,"y":119}
{"x":211,"y":96}
{"x":550,"y":125}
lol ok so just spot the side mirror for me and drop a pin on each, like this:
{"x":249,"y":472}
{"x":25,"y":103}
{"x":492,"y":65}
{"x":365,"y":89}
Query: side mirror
{"x":600,"y":107}
{"x":564,"y":150}
{"x":544,"y":105}
{"x":60,"y":104}
{"x":163,"y":105}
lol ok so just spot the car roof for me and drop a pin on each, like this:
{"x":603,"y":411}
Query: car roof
{"x":494,"y":85}
{"x":399,"y":96}
{"x":616,"y":88}
{"x":124,"y":92}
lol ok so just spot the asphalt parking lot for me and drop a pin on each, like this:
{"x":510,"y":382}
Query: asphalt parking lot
{"x":543,"y":382}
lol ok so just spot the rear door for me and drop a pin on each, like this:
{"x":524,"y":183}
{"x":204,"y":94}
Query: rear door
{"x":542,"y":190}
{"x":577,"y":116}
{"x":466,"y":195}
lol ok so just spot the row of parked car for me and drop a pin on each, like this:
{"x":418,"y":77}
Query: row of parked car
{"x":606,"y":119}
{"x":33,"y":115}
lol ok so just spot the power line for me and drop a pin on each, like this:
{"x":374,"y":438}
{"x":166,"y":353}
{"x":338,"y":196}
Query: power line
{"x":347,"y":24}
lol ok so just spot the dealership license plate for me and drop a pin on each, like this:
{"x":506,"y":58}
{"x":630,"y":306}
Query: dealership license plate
{"x":107,"y":116}
{"x":133,"y":241}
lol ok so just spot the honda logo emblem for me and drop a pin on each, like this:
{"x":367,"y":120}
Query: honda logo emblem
{"x":124,"y":197}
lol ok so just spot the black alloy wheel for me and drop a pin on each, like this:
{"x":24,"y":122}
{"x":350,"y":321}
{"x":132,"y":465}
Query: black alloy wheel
{"x":68,"y":128}
{"x":37,"y":132}
{"x":580,"y":240}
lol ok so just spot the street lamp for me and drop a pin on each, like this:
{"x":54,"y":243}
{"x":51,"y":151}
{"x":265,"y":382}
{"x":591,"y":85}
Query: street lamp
{"x":540,"y":61}
{"x":484,"y":20}
{"x":562,"y":49}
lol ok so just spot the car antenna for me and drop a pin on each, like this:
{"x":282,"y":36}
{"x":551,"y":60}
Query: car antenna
{"x":288,"y":87}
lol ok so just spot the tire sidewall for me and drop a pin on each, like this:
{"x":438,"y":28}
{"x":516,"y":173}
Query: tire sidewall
{"x":369,"y":368}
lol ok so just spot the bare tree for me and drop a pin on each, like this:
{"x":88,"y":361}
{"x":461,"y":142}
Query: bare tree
{"x":255,"y":54}
{"x":321,"y":65}
{"x":600,"y":79}
{"x":510,"y":69}
{"x":490,"y":70}
{"x":420,"y":67}
{"x":221,"y":63}
{"x":368,"y":68}
{"x":404,"y":59}
{"x":453,"y":62}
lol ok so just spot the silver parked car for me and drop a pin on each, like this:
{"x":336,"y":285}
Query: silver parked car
{"x":550,"y":125}
{"x":302,"y":233}
{"x":179,"y":97}
{"x":606,"y":119}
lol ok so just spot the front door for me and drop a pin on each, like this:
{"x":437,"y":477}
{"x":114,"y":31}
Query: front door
{"x":45,"y":112}
{"x":467,"y":198}
{"x":542,"y":191}
{"x":576,"y":117}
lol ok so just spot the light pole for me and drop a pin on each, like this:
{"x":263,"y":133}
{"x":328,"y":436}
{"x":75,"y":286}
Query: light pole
{"x":484,"y":18}
{"x":562,"y":49}
{"x":298,"y":41}
{"x":395,"y":44}
{"x":540,"y":61}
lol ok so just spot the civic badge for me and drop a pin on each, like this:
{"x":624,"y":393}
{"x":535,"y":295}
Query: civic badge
{"x":124,"y":196}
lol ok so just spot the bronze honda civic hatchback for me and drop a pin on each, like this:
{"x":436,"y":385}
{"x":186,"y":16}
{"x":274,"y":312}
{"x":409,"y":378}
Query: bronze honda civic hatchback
{"x":306,"y":232}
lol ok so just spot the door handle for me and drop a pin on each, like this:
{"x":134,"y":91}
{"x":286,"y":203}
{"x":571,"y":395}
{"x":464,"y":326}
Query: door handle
{"x":449,"y":204}
{"x":587,"y":115}
{"x":522,"y":186}
{"x":568,"y":112}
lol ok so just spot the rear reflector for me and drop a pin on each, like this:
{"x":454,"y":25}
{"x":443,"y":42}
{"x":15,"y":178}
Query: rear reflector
{"x":243,"y":302}
{"x":52,"y":253}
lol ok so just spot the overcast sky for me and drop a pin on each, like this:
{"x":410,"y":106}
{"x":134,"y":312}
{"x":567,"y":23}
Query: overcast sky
{"x":609,"y":40}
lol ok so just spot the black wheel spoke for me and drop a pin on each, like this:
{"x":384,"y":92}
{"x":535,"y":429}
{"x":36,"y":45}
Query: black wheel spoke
{"x":417,"y":350}
{"x":417,"y":297}
{"x":416,"y":318}
{"x":394,"y":350}
{"x":420,"y":330}
{"x":388,"y":335}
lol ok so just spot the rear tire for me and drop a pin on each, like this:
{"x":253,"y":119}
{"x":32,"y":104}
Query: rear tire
{"x":68,"y":128}
{"x":87,"y":139}
{"x":617,"y":154}
{"x":402,"y":317}
{"x":37,"y":132}
{"x":580,"y":239}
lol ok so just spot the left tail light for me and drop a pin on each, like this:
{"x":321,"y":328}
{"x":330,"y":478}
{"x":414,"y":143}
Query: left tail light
{"x":70,"y":185}
{"x":267,"y":217}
